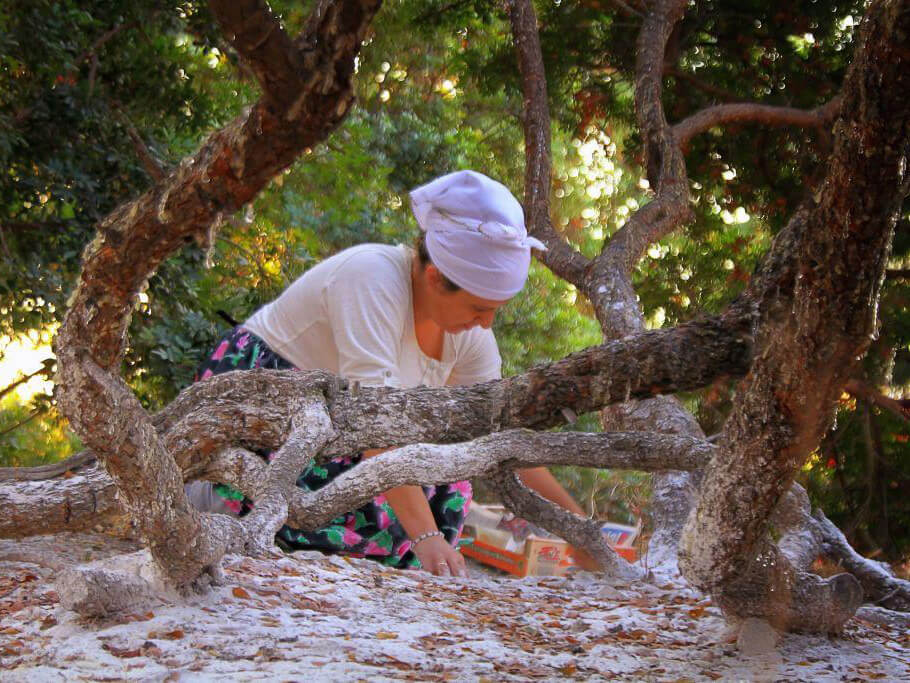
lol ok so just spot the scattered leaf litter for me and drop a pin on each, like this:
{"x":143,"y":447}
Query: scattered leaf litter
{"x":311,"y":617}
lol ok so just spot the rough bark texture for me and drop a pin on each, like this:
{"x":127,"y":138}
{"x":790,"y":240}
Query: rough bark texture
{"x":431,"y":464}
{"x":489,"y":456}
{"x":816,"y":295}
{"x":580,"y":532}
{"x":307,"y":93}
{"x":74,"y":503}
{"x":879,"y":584}
{"x":800,"y":540}
{"x":253,"y":410}
{"x":607,"y":281}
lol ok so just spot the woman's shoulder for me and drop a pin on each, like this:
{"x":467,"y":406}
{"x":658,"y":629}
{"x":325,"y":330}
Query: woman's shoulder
{"x":369,"y":261}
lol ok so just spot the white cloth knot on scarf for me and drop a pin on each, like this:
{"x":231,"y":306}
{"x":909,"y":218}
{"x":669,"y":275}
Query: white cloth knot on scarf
{"x":476,"y":233}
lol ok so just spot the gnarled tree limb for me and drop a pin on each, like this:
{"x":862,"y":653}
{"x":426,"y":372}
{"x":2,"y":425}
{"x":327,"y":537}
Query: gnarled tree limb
{"x":430,"y":464}
{"x":581,"y":533}
{"x":229,"y":169}
{"x":560,"y":257}
{"x":879,"y":585}
{"x":748,"y":112}
{"x":817,"y":292}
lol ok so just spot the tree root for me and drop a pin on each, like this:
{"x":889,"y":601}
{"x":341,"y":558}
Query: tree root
{"x":771,"y":588}
{"x":879,"y":585}
{"x":800,"y":540}
{"x":884,"y":617}
{"x":582,"y":533}
{"x":113,"y":585}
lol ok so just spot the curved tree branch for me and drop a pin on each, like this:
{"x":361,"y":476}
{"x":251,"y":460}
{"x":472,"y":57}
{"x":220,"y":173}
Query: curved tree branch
{"x":429,"y":464}
{"x":202,"y":427}
{"x":229,"y":169}
{"x":879,"y":584}
{"x":579,"y":532}
{"x":817,"y":293}
{"x":860,"y":389}
{"x":743,"y":112}
{"x":560,"y":257}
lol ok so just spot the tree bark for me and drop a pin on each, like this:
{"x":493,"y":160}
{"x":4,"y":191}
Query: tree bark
{"x":201,"y":427}
{"x":607,"y":280}
{"x":816,"y":295}
{"x":307,"y":93}
{"x":879,"y":584}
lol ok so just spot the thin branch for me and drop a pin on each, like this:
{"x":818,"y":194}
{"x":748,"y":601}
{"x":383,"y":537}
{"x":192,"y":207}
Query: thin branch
{"x":708,"y":88}
{"x":43,"y":370}
{"x":152,"y":166}
{"x":32,"y":226}
{"x":21,"y":423}
{"x":105,"y":37}
{"x":860,"y":389}
{"x":722,"y":114}
{"x":628,"y":10}
{"x":578,"y":531}
{"x":50,"y":471}
{"x":3,"y":243}
{"x":561,"y":258}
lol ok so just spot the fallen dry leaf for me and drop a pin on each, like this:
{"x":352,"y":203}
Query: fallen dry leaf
{"x":240,"y":593}
{"x":386,"y":635}
{"x":122,"y":652}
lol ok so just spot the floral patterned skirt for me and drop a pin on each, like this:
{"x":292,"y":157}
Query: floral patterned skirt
{"x":372,"y":530}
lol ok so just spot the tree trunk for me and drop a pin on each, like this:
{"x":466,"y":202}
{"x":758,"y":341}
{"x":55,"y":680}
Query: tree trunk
{"x":816,"y":295}
{"x":307,"y":92}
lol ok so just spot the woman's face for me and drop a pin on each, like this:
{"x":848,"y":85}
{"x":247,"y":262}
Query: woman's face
{"x":458,"y":311}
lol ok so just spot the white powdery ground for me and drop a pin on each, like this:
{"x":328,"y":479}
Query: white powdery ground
{"x":309,"y":617}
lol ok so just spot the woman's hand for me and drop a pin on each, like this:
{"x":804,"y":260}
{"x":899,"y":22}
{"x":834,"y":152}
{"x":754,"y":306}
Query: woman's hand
{"x":438,"y":557}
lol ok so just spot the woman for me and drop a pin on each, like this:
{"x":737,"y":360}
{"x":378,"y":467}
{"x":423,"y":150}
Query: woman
{"x":397,"y":317}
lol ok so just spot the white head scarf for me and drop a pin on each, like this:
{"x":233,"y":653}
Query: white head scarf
{"x":476,"y":233}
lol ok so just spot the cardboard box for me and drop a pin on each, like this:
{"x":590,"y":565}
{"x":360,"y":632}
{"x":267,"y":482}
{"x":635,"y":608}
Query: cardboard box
{"x":537,"y":555}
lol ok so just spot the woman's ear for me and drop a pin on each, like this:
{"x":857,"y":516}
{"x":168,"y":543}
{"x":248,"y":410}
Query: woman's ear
{"x":434,"y":279}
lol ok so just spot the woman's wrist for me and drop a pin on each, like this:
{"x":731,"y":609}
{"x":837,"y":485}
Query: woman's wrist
{"x":424,"y":536}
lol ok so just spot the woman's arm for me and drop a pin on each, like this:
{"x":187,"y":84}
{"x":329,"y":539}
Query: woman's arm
{"x":542,"y":480}
{"x":413,"y":511}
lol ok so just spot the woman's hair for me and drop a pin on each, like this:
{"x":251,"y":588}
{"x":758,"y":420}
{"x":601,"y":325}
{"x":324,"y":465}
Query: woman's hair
{"x":420,"y":246}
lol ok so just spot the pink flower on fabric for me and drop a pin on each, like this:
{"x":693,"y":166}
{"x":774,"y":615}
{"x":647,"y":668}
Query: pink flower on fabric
{"x":205,"y":375}
{"x":220,"y":351}
{"x":380,"y":499}
{"x":464,"y":488}
{"x":233,"y":505}
{"x":350,"y":522}
{"x":351,"y":537}
{"x":384,"y":522}
{"x":243,"y":341}
{"x":373,"y":549}
{"x":404,"y":548}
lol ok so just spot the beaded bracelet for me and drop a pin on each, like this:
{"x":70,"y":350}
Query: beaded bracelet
{"x":424,"y":536}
